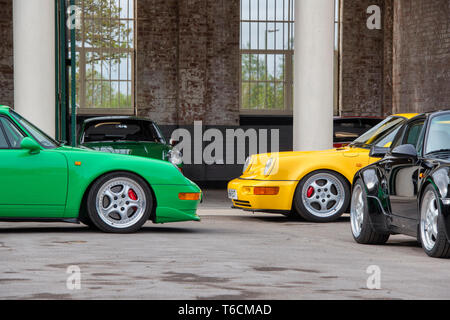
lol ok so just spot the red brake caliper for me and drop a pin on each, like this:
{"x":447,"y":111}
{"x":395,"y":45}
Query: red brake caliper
{"x":133,"y":196}
{"x":310,"y":192}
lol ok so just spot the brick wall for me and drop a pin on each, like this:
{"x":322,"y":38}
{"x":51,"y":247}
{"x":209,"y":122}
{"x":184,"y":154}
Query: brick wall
{"x":188,"y":61}
{"x":6,"y":54}
{"x":421,"y":76}
{"x":157,"y":59}
{"x":362,"y":60}
{"x":388,"y":60}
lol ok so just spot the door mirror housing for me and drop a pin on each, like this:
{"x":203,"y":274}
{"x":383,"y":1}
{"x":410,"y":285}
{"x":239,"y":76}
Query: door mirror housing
{"x":405,"y":151}
{"x":378,"y":152}
{"x":31,"y":145}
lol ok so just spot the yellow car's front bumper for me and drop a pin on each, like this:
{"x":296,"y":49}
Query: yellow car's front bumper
{"x":247,"y":200}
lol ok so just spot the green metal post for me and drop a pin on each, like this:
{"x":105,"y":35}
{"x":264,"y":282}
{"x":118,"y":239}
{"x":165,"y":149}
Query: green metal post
{"x":73,"y":59}
{"x":61,"y":68}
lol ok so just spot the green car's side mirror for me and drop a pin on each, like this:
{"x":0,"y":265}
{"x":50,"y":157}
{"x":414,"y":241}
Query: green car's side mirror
{"x":31,"y":145}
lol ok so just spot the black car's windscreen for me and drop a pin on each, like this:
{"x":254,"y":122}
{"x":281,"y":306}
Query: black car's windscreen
{"x":121,"y":130}
{"x":439,"y":135}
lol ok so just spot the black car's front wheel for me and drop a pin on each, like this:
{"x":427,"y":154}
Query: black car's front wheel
{"x":119,"y":202}
{"x":322,"y":196}
{"x":432,"y":234}
{"x":362,"y":229}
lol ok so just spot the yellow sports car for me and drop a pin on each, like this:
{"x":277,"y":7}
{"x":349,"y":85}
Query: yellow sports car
{"x":314,"y":185}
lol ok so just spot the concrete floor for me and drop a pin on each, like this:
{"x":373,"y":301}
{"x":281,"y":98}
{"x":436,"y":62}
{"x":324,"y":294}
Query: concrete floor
{"x":229,"y":255}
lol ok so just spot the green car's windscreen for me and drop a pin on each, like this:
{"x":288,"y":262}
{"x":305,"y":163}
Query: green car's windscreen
{"x":121,"y":130}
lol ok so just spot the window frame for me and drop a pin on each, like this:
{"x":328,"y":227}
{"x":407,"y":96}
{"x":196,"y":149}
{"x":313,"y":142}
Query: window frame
{"x":422,"y":123}
{"x":288,"y":53}
{"x":428,"y":129}
{"x":401,"y":137}
{"x":82,"y":51}
{"x":288,"y":82}
{"x":3,"y":130}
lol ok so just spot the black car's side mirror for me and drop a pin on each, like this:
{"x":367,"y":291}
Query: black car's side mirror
{"x":378,"y":152}
{"x":405,"y":151}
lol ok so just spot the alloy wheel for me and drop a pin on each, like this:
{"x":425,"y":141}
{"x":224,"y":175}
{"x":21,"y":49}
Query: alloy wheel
{"x":121,"y":202}
{"x":357,"y":210}
{"x":429,"y":220}
{"x":323,"y":195}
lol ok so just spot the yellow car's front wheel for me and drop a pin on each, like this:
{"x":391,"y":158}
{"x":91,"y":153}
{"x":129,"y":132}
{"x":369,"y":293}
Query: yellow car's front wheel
{"x":322,"y":196}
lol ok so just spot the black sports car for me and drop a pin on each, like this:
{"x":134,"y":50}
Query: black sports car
{"x":408,"y":191}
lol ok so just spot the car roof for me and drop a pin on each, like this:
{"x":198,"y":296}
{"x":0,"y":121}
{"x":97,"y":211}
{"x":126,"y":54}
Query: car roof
{"x":112,"y":118}
{"x":407,"y":115}
{"x":429,"y":113}
{"x":4,"y":109}
{"x":356,"y":117}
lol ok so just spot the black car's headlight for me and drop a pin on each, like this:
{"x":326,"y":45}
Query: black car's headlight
{"x":370,"y":178}
{"x":442,"y":180}
{"x":175,"y":157}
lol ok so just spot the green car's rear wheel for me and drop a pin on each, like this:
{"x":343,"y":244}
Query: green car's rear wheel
{"x":119,"y":202}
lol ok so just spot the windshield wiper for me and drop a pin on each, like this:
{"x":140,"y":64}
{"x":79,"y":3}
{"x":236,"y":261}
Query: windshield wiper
{"x":360,"y":145}
{"x":439,"y":151}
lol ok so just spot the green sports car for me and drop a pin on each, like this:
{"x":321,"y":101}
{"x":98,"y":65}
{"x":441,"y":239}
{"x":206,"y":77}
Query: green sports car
{"x":46,"y":181}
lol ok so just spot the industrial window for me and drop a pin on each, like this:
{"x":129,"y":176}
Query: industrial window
{"x":106,"y":57}
{"x":267,"y":43}
{"x":267,"y":51}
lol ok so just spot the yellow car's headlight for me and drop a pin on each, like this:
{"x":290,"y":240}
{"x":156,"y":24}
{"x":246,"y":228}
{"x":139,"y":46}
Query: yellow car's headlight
{"x":247,"y":164}
{"x":269,"y":166}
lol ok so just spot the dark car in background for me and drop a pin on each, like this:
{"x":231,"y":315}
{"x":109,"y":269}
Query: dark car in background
{"x":408,"y":191}
{"x":347,"y":129}
{"x":128,"y":135}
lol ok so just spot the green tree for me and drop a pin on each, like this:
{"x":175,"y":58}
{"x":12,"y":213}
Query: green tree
{"x":261,"y":89}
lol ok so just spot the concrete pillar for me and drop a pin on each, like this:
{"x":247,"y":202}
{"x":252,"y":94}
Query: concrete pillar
{"x":34,"y":62}
{"x":313,"y":74}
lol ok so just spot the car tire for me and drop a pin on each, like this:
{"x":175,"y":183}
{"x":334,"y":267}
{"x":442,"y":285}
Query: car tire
{"x":322,"y":196}
{"x":87,"y":222}
{"x":119,"y":202}
{"x":84,"y":216}
{"x":362,"y":229}
{"x":434,"y":242}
